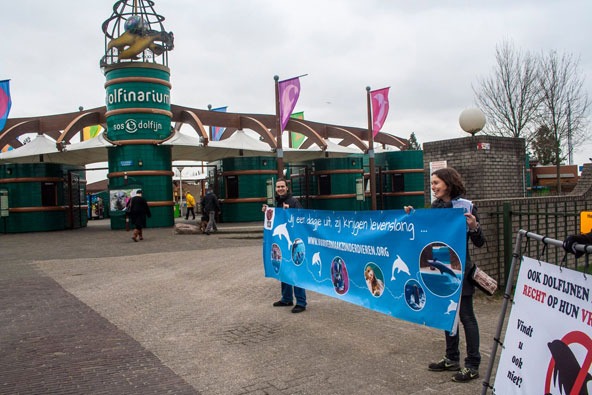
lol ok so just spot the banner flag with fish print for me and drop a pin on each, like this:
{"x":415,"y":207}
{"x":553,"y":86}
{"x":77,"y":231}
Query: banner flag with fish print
{"x":296,"y":139}
{"x":90,"y":132}
{"x":218,"y":130}
{"x":5,"y":102}
{"x":380,"y":108}
{"x":289,"y":91}
{"x":409,"y":266}
{"x":548,"y":342}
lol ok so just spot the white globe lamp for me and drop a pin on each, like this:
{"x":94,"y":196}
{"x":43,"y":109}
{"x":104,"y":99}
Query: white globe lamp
{"x":472,"y":120}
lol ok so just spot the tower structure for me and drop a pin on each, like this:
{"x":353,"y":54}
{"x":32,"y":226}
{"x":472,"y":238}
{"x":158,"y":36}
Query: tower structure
{"x":138,"y":104}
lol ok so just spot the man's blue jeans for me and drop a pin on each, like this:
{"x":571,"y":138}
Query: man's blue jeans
{"x":287,"y":296}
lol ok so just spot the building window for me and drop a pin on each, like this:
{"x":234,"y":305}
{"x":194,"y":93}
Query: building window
{"x":398,"y":182}
{"x":49,"y":194}
{"x":232,"y":187}
{"x":324,"y":184}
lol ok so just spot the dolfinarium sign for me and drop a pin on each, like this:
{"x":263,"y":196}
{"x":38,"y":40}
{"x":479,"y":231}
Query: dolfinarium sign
{"x":150,"y":96}
{"x":138,"y":104}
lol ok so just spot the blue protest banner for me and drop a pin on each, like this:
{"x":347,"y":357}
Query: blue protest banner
{"x":409,"y":266}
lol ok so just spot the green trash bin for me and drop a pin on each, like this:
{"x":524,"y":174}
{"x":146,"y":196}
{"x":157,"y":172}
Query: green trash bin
{"x":177,"y":213}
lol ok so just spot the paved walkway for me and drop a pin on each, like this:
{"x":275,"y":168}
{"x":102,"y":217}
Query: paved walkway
{"x":89,"y":311}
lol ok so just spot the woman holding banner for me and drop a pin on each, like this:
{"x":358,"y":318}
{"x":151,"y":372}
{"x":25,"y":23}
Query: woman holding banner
{"x":284,"y":199}
{"x":448,"y":187}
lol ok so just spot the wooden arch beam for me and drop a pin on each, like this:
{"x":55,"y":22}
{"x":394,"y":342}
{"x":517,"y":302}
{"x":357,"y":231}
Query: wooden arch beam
{"x":258,"y":127}
{"x":11,"y":134}
{"x":297,"y":126}
{"x":389,"y":139}
{"x":76,"y":125}
{"x":190,"y":118}
{"x":347,"y":136}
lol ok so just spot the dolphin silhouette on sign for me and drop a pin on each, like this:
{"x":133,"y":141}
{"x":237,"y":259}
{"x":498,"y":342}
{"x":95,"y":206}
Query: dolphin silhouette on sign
{"x":441,"y":267}
{"x":282,"y":231}
{"x":401,"y":266}
{"x":316,"y":260}
{"x":451,"y":307}
{"x":567,"y":368}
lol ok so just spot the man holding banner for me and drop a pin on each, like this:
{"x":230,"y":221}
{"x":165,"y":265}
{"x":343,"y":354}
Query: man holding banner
{"x":284,"y":199}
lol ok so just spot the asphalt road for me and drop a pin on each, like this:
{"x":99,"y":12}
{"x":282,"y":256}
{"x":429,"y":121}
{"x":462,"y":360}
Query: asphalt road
{"x":89,"y":311}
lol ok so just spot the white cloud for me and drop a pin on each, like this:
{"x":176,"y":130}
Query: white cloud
{"x":227,"y":52}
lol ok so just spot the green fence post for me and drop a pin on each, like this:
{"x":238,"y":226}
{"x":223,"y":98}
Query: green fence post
{"x":507,"y":240}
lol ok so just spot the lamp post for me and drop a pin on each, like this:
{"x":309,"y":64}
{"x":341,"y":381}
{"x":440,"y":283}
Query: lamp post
{"x":181,"y":211}
{"x":472,"y":120}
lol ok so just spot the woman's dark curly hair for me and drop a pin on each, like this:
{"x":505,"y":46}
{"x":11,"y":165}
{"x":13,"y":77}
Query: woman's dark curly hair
{"x":453,"y":181}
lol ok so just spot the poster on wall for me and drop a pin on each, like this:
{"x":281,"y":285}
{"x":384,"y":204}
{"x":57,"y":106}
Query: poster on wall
{"x":409,"y":266}
{"x":548,"y":342}
{"x":118,"y":199}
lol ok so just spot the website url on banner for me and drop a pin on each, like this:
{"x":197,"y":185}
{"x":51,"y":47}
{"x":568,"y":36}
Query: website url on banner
{"x":349,"y":247}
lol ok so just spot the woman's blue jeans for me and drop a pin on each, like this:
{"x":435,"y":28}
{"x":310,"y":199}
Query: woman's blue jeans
{"x":287,"y":296}
{"x":469,"y":321}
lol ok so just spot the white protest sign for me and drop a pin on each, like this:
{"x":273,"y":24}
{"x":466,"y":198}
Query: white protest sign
{"x":548,"y":342}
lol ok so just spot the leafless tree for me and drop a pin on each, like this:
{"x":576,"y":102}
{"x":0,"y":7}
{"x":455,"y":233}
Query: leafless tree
{"x":564,"y":102}
{"x":509,"y":98}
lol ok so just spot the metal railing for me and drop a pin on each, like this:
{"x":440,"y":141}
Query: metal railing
{"x":555,"y":219}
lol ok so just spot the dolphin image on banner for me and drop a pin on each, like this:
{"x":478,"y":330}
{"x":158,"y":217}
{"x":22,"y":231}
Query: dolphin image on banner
{"x":282,"y":231}
{"x":441,"y":267}
{"x":451,"y":307}
{"x":400,"y":266}
{"x":316,"y":260}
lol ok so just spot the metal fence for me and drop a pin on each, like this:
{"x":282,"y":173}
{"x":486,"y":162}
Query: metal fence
{"x":553,"y":219}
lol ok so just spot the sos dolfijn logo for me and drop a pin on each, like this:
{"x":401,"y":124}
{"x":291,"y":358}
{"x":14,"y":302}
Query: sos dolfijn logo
{"x":131,"y":126}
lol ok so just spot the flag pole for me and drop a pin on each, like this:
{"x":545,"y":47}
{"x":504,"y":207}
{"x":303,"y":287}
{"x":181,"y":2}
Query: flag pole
{"x":278,"y":134}
{"x":371,"y":152}
{"x":211,"y":129}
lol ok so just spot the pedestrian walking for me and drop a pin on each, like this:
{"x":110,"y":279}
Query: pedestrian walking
{"x":211,"y":206}
{"x":138,"y":211}
{"x":190,"y":205}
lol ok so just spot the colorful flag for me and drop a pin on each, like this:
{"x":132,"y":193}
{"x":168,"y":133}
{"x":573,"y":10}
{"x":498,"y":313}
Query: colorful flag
{"x":289,"y":91}
{"x":296,"y":139}
{"x":90,"y":131}
{"x":5,"y":102}
{"x":380,"y":108}
{"x":217,"y":130}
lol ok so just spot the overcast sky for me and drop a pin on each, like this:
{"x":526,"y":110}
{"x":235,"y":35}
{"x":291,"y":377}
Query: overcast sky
{"x":227,"y":52}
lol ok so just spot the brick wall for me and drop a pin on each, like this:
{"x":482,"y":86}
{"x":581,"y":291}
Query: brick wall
{"x":495,"y":172}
